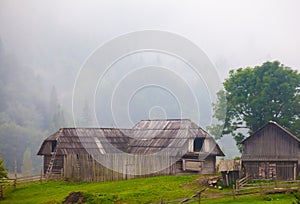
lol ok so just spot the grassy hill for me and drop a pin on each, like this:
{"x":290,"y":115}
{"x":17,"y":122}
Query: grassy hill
{"x":144,"y":190}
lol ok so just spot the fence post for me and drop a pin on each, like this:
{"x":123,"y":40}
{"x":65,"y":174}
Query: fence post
{"x":233,"y":191}
{"x":261,"y":190}
{"x":41,"y":177}
{"x":1,"y":191}
{"x":162,"y":200}
{"x":199,"y":197}
{"x":15,"y":181}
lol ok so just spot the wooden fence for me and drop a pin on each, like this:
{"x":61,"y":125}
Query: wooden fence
{"x":240,"y":183}
{"x":14,"y":182}
{"x":194,"y":198}
{"x":269,"y":187}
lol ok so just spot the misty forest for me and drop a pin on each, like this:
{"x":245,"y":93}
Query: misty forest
{"x":29,"y":112}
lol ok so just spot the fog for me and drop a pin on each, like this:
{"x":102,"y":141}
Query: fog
{"x":54,"y":38}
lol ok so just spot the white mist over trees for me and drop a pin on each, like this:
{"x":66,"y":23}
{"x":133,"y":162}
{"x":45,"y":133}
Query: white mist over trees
{"x":25,"y":116}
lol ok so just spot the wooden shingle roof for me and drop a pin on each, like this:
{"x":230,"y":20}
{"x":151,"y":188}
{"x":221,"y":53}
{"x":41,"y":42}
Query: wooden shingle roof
{"x":274,"y":124}
{"x":147,"y":136}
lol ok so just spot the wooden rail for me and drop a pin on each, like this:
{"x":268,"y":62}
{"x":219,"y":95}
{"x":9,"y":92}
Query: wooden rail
{"x":242,"y":182}
{"x":197,"y":195}
{"x":4,"y":182}
{"x":269,"y":188}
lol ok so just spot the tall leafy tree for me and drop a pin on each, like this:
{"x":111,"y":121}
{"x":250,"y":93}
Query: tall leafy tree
{"x":254,"y":96}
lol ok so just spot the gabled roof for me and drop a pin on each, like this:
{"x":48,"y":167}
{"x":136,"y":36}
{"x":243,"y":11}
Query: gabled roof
{"x":275,"y":124}
{"x":147,"y":136}
{"x":79,"y":140}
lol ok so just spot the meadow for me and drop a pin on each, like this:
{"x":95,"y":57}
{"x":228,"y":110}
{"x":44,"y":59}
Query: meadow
{"x":142,"y":190}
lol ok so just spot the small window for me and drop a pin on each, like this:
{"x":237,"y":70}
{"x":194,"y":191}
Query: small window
{"x":198,"y":143}
{"x":53,"y":146}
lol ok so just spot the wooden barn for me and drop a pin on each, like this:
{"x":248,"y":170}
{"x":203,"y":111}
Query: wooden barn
{"x":271,"y":153}
{"x":151,"y":147}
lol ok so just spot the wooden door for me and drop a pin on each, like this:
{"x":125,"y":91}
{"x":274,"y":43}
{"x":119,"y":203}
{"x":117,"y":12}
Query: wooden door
{"x":262,"y":170}
{"x":272,"y":173}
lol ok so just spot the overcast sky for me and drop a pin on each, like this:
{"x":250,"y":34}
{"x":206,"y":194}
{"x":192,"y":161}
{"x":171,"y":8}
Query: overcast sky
{"x":44,"y":34}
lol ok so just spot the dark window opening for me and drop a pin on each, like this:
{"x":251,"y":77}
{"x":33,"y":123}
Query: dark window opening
{"x":53,"y":146}
{"x":198,"y":143}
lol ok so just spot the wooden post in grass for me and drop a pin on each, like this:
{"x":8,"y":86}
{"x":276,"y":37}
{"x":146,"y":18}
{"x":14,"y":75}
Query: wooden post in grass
{"x":41,"y":177}
{"x":1,"y":191}
{"x":199,"y":197}
{"x":261,"y":190}
{"x":237,"y":184}
{"x":162,"y":200}
{"x":233,"y":191}
{"x":15,"y":181}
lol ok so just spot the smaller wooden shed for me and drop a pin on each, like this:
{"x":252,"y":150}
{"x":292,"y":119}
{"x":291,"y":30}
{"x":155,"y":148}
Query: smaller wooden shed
{"x":230,"y":170}
{"x":271,"y":152}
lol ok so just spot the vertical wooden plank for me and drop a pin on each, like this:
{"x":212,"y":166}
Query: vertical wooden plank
{"x":233,"y":191}
{"x":295,"y":171}
{"x":41,"y":176}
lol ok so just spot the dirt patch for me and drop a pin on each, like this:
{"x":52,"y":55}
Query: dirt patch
{"x":202,"y":181}
{"x":74,"y":197}
{"x":184,"y":186}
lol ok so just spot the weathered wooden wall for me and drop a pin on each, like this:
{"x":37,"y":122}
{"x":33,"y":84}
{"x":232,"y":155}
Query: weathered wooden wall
{"x":272,"y":170}
{"x":58,"y":163}
{"x":271,"y":142}
{"x":230,"y":177}
{"x":209,"y":165}
{"x":84,"y":168}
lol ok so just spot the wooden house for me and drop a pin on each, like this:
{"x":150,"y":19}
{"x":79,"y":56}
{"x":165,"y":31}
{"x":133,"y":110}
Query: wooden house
{"x":271,"y":153}
{"x":151,"y":147}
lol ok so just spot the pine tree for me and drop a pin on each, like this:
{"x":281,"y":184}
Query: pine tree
{"x":58,"y":121}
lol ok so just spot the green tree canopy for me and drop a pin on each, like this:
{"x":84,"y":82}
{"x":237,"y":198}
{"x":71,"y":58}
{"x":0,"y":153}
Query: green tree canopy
{"x":254,"y":96}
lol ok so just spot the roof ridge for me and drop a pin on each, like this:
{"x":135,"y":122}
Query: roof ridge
{"x":277,"y":125}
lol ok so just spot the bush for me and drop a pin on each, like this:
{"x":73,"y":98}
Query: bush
{"x":3,"y":173}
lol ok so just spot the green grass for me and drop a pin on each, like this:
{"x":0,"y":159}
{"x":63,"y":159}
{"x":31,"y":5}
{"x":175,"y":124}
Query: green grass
{"x":144,"y":190}
{"x":276,"y":198}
